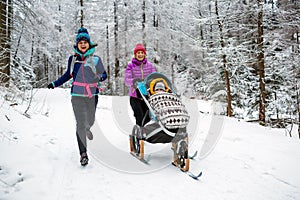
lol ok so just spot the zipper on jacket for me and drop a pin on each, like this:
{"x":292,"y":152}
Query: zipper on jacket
{"x":142,"y":71}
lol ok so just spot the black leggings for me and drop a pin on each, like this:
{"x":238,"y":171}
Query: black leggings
{"x":140,"y":110}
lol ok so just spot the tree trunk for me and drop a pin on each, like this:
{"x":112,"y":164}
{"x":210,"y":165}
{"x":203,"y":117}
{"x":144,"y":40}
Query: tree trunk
{"x":45,"y":63}
{"x":2,"y":41}
{"x":144,"y":22}
{"x":261,"y":65}
{"x":32,"y":51}
{"x":126,"y":52}
{"x":9,"y":25}
{"x":81,"y":13}
{"x":298,"y":109}
{"x":155,"y":25}
{"x":210,"y":27}
{"x":117,"y":63}
{"x":126,"y":33}
{"x":58,"y":55}
{"x":224,"y":60}
{"x":297,"y":89}
{"x":107,"y":60}
{"x":38,"y":56}
{"x":5,"y":23}
{"x":19,"y":40}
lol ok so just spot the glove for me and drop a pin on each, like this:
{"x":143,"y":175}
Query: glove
{"x":103,"y":76}
{"x":50,"y":86}
{"x":135,"y":82}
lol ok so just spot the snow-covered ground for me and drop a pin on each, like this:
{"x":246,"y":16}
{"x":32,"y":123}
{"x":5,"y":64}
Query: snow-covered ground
{"x":39,"y":156}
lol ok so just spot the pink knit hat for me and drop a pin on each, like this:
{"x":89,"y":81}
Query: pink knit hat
{"x":139,"y":47}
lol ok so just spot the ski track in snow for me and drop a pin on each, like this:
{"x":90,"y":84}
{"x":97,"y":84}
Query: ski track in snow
{"x":39,"y":158}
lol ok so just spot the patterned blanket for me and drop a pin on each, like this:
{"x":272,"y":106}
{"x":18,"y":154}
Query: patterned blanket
{"x":169,"y":109}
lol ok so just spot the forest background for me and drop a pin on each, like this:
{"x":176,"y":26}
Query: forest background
{"x":243,"y":53}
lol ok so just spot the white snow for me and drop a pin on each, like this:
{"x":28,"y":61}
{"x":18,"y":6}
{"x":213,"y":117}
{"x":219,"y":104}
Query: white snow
{"x":39,"y":156}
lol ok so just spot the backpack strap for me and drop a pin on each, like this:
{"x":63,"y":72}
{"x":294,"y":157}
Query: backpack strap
{"x":72,"y":64}
{"x":92,"y":65}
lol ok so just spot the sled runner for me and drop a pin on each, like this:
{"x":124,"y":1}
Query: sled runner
{"x":136,"y":142}
{"x":169,"y":119}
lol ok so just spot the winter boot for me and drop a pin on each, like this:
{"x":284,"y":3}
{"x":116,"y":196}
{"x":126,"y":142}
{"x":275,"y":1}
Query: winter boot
{"x":180,"y":159}
{"x":84,"y":160}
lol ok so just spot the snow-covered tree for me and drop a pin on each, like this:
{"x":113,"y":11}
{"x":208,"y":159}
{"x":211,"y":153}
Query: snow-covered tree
{"x":207,"y":51}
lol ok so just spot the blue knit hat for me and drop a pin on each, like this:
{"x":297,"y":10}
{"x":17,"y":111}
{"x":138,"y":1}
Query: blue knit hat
{"x":83,"y":34}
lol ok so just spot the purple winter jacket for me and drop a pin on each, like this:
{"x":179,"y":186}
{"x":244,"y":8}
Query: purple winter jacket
{"x":137,"y":69}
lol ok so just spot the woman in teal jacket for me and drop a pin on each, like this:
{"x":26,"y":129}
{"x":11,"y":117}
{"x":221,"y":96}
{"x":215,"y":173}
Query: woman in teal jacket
{"x":87,"y":71}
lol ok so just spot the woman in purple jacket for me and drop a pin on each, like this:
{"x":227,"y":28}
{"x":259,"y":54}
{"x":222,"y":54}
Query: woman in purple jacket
{"x":137,"y":70}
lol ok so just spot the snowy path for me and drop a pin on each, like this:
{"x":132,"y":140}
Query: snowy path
{"x":39,"y":157}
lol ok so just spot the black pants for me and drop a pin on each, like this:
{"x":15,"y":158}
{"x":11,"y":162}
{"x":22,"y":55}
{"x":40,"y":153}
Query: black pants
{"x":81,"y":137}
{"x":140,"y":111}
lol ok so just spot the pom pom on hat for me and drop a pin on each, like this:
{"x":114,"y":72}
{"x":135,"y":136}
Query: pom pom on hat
{"x":139,"y":47}
{"x":83,"y":34}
